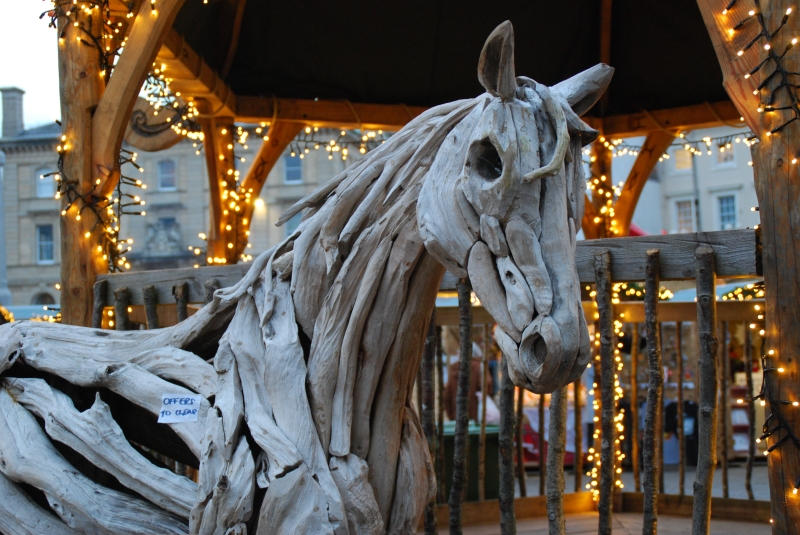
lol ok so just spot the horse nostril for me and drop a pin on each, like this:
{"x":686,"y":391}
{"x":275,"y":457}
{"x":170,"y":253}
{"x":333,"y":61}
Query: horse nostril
{"x":485,"y":159}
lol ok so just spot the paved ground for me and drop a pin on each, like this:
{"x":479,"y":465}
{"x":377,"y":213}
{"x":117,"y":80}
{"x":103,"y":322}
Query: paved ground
{"x":735,"y":482}
{"x":624,"y":524}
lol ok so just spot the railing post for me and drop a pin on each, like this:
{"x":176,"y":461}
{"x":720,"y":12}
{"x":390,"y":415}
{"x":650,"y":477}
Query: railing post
{"x":428,"y":419}
{"x":122,"y":300}
{"x":150,"y":299}
{"x":100,"y":289}
{"x":602,"y":270}
{"x":181,"y":293}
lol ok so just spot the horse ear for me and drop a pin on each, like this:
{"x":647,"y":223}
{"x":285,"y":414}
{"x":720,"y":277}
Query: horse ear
{"x":584,"y":89}
{"x":496,"y":65}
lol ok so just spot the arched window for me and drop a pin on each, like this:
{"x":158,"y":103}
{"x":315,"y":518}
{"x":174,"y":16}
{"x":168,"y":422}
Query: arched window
{"x":45,"y":185}
{"x":43,"y":298}
{"x":166,"y":176}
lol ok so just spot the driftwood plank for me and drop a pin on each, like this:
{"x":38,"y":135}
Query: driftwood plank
{"x":19,"y":515}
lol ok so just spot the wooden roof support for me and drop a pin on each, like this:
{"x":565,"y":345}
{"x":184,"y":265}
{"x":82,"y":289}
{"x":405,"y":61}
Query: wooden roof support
{"x":218,"y":142}
{"x":653,"y":148}
{"x":234,"y":44}
{"x":114,"y":109}
{"x":706,"y":115}
{"x":281,"y":133}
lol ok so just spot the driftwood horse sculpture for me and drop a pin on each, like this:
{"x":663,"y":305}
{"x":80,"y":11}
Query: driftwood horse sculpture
{"x":305,"y":366}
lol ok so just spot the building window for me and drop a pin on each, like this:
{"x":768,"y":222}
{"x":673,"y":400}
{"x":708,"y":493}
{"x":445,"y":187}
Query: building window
{"x":726,"y":157}
{"x":727,"y":211}
{"x":683,"y":160}
{"x":684,"y":216}
{"x":292,"y":170}
{"x":166,"y":175}
{"x":44,"y":244}
{"x":293,"y":223}
{"x":45,"y":185}
{"x":43,"y":298}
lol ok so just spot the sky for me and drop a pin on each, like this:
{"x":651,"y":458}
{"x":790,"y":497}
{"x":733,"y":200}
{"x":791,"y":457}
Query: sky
{"x":29,"y":59}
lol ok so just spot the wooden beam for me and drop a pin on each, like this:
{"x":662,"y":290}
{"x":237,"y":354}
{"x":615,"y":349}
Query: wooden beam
{"x":733,"y":311}
{"x":326,"y":113}
{"x":80,"y":87}
{"x":600,"y":169}
{"x":235,"y":30}
{"x":218,"y":142}
{"x":736,"y":254}
{"x":653,"y":148}
{"x":115,"y":107}
{"x":588,"y":224}
{"x":191,"y":76}
{"x":752,"y":511}
{"x":281,"y":133}
{"x":685,"y":118}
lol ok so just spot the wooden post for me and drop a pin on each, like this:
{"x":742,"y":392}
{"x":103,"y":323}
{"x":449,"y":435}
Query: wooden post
{"x":724,"y":399}
{"x":602,"y":271}
{"x":600,"y":168}
{"x":578,"y":419}
{"x":150,"y":306}
{"x":80,"y":87}
{"x":634,"y":431}
{"x":211,"y":286}
{"x":100,"y":289}
{"x":555,"y":462}
{"x":181,"y":293}
{"x":681,"y":438}
{"x":462,"y":405}
{"x":440,"y":416}
{"x":484,"y":395}
{"x":523,"y":484}
{"x":428,"y":419}
{"x":508,"y":522}
{"x":707,"y":413}
{"x":661,"y":409}
{"x":542,"y":455}
{"x":652,"y":423}
{"x":122,"y":300}
{"x":778,"y":188}
{"x":751,"y":412}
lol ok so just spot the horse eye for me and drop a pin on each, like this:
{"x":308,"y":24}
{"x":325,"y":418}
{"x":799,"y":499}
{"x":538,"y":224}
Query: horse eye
{"x":485,"y":160}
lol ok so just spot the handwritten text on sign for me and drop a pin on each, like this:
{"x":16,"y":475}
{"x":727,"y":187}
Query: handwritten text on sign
{"x":179,"y":408}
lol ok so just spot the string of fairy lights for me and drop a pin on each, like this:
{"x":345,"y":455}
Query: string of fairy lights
{"x":776,"y":83}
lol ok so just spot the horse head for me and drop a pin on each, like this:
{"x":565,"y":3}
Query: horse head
{"x":502,"y":202}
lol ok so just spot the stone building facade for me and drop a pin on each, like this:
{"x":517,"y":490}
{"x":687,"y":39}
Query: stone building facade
{"x":176,"y":203}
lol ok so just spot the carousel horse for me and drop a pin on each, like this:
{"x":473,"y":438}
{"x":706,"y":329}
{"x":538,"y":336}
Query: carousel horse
{"x":304,"y":368}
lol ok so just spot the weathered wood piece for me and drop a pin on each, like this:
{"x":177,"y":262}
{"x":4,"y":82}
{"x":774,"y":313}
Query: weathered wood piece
{"x":150,"y":306}
{"x":527,"y":254}
{"x":681,"y":438}
{"x":607,"y":404}
{"x":725,"y":401}
{"x":519,"y":300}
{"x":542,"y":455}
{"x":122,"y":300}
{"x":519,"y":418}
{"x":428,"y":417}
{"x":28,"y":456}
{"x":482,"y":415}
{"x":708,"y":409}
{"x":652,"y":421}
{"x":181,"y":293}
{"x":505,"y":442}
{"x":489,"y":288}
{"x":462,"y":406}
{"x":99,"y":294}
{"x":751,"y":412}
{"x":634,"y":430}
{"x":210,"y":286}
{"x":440,"y":416}
{"x":555,"y":462}
{"x":660,"y":415}
{"x":19,"y":515}
{"x":578,"y":425}
{"x":735,"y":252}
{"x":97,"y":437}
{"x":492,"y":235}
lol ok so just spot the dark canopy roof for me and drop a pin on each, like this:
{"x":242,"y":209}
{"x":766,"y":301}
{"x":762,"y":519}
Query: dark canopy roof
{"x":425,"y":52}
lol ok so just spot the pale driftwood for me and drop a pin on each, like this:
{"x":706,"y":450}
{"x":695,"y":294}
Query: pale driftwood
{"x":527,"y":254}
{"x":293,"y":504}
{"x":492,"y":235}
{"x":652,"y":423}
{"x":406,"y":251}
{"x":97,"y":437}
{"x":489,"y":289}
{"x":19,"y":515}
{"x":518,"y":296}
{"x":415,"y":476}
{"x":181,"y":367}
{"x":28,"y":456}
{"x":555,"y":462}
{"x":707,"y":410}
{"x":10,"y":346}
{"x":351,"y":477}
{"x":608,"y":411}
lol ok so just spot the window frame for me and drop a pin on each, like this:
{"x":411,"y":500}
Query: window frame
{"x":716,"y":165}
{"x":174,"y":186}
{"x":39,"y":244}
{"x":674,"y":167}
{"x":718,"y":211}
{"x":299,"y":167}
{"x":675,"y":219}
{"x":38,"y":180}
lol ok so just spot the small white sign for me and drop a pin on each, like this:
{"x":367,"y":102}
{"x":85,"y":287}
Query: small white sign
{"x":179,"y":408}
